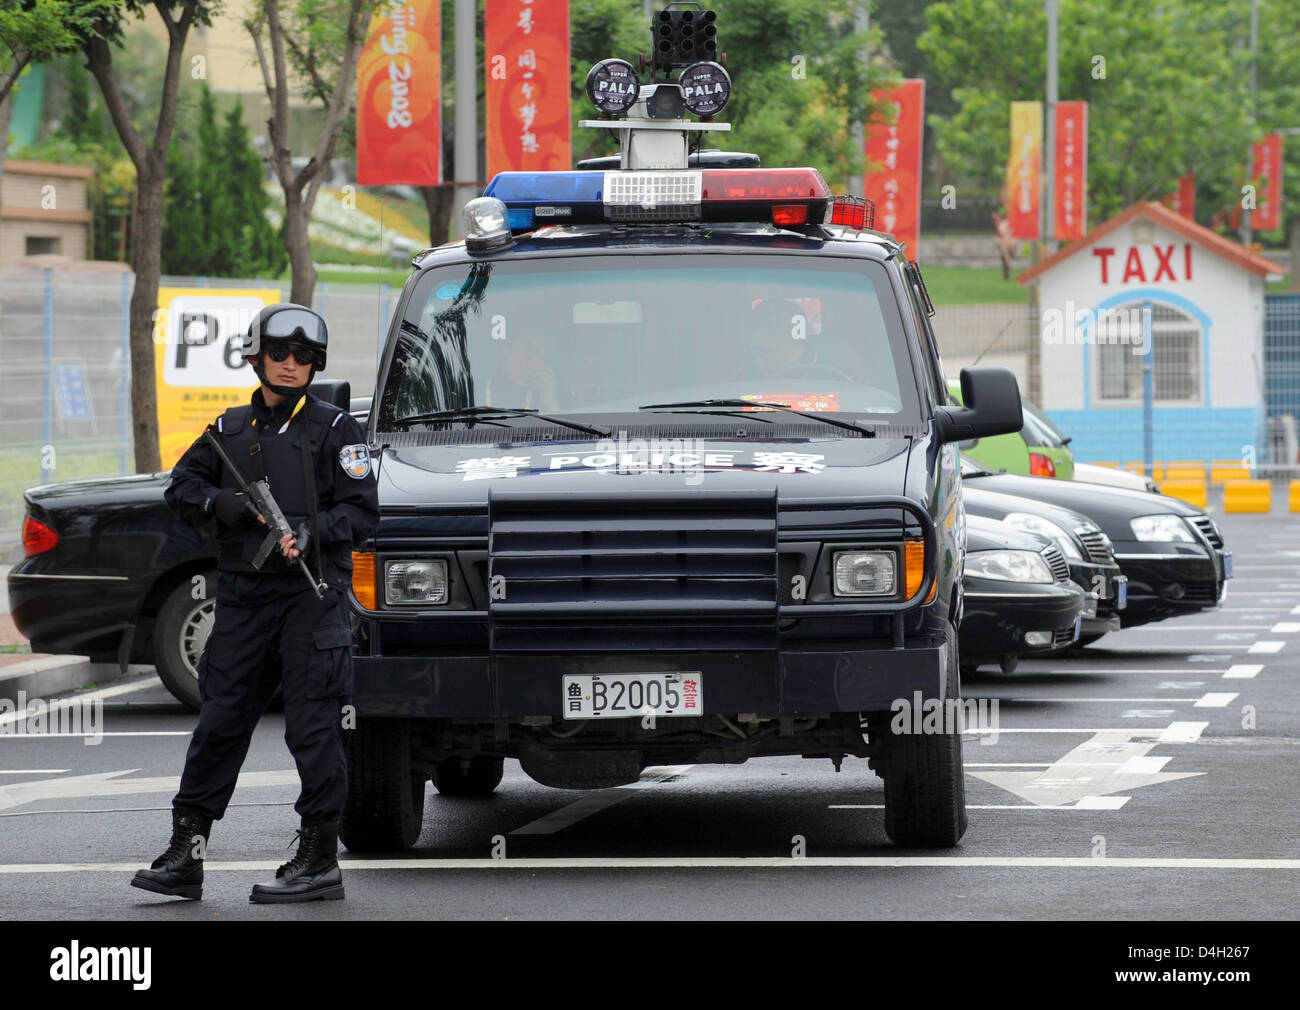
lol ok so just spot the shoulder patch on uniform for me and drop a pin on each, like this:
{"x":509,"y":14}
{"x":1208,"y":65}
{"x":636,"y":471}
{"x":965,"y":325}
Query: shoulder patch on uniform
{"x":337,"y":418}
{"x":355,"y":460}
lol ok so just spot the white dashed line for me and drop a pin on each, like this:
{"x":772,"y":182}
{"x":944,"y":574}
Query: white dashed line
{"x":1266,"y":647}
{"x":1181,"y":732}
{"x":1242,"y":671}
{"x":1285,"y":628}
{"x":1214,"y":700}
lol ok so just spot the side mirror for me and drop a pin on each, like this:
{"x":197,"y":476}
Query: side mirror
{"x":992,"y":398}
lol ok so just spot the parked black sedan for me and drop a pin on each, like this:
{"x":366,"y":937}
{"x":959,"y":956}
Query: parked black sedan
{"x":1086,"y":548}
{"x":1172,"y":552}
{"x":112,"y":574}
{"x":1017,"y":596}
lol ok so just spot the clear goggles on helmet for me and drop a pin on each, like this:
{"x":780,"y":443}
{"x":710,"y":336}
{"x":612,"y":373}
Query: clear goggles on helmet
{"x":294,"y":324}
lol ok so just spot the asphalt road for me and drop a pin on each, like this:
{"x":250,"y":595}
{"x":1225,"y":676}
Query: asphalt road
{"x":1153,"y":775}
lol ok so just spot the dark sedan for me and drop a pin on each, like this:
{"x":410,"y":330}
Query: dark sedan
{"x":1172,"y":552}
{"x":1017,"y":596}
{"x":112,"y":574}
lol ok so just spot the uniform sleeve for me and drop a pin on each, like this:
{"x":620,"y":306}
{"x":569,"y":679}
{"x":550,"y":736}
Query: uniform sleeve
{"x":354,"y":513}
{"x":195,"y":483}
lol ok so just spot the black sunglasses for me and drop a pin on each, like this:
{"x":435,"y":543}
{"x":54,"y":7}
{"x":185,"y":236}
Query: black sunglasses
{"x":302,"y":355}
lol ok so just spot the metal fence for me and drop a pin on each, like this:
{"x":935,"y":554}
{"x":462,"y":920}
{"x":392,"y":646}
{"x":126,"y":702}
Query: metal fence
{"x":65,"y":384}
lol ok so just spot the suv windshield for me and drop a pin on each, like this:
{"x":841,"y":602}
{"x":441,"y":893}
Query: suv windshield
{"x":591,"y":335}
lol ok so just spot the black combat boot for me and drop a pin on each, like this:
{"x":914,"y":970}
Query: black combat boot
{"x":179,"y":870}
{"x":313,"y":874}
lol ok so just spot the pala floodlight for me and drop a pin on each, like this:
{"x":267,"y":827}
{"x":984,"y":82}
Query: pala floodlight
{"x":706,"y":88}
{"x":683,"y":33}
{"x":613,"y":87}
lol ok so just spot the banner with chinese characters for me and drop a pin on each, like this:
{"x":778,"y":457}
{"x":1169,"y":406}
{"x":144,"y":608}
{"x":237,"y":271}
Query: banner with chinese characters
{"x":1022,"y":189}
{"x":526,"y":55}
{"x":1267,"y":214}
{"x":399,"y":104}
{"x":893,"y":177}
{"x":198,"y":335}
{"x":1071,"y":184}
{"x":1183,"y":199}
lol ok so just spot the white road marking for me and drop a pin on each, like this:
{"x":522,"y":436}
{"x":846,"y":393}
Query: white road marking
{"x":1177,"y":685}
{"x":1285,"y":628}
{"x":1241,"y":671}
{"x":1183,"y":732}
{"x":1006,"y":764}
{"x":33,"y":771}
{"x":1089,"y":700}
{"x":112,"y":784}
{"x":1213,"y":700}
{"x":79,"y":699}
{"x":43,"y":736}
{"x":1269,"y":647}
{"x":1190,"y":627}
{"x":1109,"y":670}
{"x":1145,"y":764}
{"x":1147,"y":713}
{"x":1089,"y":773}
{"x":718,"y":862}
{"x":1296,"y":609}
{"x":567,"y":816}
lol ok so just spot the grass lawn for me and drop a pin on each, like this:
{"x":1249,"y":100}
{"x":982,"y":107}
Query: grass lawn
{"x":971,"y":286}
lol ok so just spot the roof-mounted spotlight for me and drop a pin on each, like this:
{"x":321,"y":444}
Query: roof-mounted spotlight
{"x":613,"y":87}
{"x":706,"y":88}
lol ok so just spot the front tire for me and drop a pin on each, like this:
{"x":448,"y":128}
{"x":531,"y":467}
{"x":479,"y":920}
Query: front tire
{"x":180,"y":633}
{"x":385,"y":805}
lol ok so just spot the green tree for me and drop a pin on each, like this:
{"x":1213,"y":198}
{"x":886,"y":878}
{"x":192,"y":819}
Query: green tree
{"x":184,"y":239}
{"x":1165,"y":86}
{"x":256,"y":248}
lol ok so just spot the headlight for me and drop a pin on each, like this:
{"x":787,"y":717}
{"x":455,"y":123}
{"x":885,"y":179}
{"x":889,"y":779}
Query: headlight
{"x":1009,"y":566}
{"x":1045,"y":528}
{"x":865,"y":573}
{"x":415,"y":582}
{"x":1163,"y":529}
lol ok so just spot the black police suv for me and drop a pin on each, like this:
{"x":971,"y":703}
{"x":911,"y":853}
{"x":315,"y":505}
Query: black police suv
{"x":667,"y":474}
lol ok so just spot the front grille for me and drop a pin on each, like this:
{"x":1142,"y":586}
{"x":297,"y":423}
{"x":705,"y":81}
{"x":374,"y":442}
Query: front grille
{"x":1208,"y":530}
{"x":1056,"y":562}
{"x":1062,"y":638}
{"x":1200,"y":592}
{"x":1097,"y":545}
{"x":639,"y":572}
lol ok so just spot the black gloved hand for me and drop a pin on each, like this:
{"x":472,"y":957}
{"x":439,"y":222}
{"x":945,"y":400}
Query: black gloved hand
{"x":233,"y":509}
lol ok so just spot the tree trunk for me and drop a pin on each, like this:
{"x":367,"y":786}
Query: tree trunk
{"x":146,"y":262}
{"x":301,"y":268}
{"x":438,"y":202}
{"x":6,"y":111}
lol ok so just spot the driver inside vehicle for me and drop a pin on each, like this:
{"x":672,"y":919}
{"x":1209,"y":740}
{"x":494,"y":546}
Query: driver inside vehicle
{"x":776,"y":339}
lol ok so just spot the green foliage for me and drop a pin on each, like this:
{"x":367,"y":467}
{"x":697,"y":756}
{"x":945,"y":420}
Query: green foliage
{"x":214,"y":207}
{"x":1172,"y":97}
{"x":35,"y":31}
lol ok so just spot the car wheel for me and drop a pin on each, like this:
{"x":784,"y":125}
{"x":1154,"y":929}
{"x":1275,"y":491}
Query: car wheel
{"x":925,"y":786}
{"x":184,"y":623}
{"x":385,"y":805}
{"x":475,"y":777}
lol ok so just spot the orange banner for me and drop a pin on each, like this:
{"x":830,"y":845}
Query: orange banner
{"x":893,"y":177}
{"x":1071,"y":168}
{"x":1268,"y":171}
{"x":1023,"y":185}
{"x":399,"y":105}
{"x":526,"y":51}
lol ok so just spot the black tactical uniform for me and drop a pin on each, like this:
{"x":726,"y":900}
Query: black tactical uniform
{"x":270,"y":628}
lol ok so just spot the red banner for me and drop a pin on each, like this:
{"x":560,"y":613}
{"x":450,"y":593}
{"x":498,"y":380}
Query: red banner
{"x":399,"y":105}
{"x":1183,"y":199}
{"x":1071,"y":167}
{"x":526,"y":51}
{"x":893,"y":176}
{"x":1023,"y":174}
{"x":1268,"y":173}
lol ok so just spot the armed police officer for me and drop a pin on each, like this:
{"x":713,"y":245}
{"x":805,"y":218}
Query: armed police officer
{"x":275,"y":624}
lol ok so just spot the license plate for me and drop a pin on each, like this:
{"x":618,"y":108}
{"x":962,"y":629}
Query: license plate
{"x":1121,"y":592}
{"x":1227,"y":566}
{"x":625,"y":695}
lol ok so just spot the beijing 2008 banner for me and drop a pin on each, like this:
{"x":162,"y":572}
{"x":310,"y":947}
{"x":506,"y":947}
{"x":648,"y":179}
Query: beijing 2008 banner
{"x":893,"y":177}
{"x":1022,"y":191}
{"x":399,"y":104}
{"x":1071,"y":183}
{"x":1268,"y":169}
{"x":526,"y":52}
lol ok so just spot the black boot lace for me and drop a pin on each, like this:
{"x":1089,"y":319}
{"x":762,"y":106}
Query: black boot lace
{"x":306,"y":855}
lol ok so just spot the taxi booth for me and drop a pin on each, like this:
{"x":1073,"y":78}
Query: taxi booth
{"x":1151,"y":279}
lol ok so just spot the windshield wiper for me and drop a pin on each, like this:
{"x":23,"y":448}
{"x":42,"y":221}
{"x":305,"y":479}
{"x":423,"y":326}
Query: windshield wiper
{"x":486,"y":413}
{"x":759,"y":405}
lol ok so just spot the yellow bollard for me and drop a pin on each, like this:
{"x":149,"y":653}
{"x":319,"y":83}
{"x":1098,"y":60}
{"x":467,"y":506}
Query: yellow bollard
{"x":1294,"y":502}
{"x":1222,"y":470}
{"x":1247,"y":496}
{"x":1191,"y":491}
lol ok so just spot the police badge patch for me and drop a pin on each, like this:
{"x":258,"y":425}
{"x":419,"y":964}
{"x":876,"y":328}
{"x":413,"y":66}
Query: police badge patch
{"x":355,"y":460}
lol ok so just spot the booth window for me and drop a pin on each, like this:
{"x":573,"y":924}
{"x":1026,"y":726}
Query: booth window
{"x":40,"y":245}
{"x":1176,"y":353}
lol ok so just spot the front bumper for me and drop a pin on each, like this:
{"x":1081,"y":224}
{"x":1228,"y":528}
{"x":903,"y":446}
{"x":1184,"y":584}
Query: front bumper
{"x":1167,"y":583}
{"x":809,"y":681}
{"x":997,"y":615}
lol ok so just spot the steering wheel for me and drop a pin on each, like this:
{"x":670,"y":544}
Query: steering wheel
{"x":814,"y":368}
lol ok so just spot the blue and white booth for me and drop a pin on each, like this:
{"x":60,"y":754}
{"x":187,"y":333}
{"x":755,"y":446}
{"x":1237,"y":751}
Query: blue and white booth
{"x":1150,"y":277}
